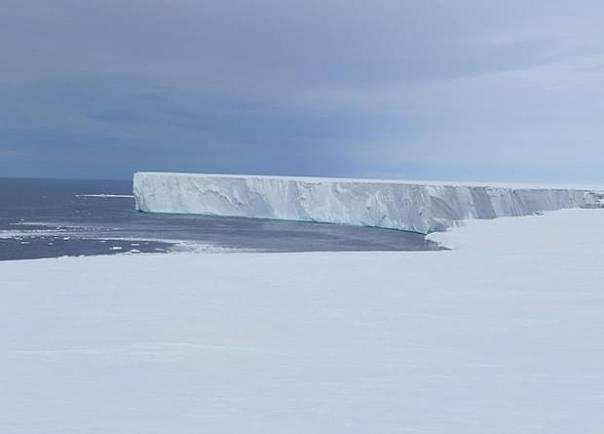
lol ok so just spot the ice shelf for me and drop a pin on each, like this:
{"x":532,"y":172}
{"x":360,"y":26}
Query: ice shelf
{"x":410,"y":206}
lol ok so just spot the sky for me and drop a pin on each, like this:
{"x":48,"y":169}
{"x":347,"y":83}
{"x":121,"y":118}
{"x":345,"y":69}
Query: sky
{"x":440,"y":90}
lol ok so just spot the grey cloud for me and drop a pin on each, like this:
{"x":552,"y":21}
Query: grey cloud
{"x":424,"y":89}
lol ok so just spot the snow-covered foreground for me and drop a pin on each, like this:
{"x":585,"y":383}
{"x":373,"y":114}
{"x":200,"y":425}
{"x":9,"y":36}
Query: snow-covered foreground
{"x":503,"y":335}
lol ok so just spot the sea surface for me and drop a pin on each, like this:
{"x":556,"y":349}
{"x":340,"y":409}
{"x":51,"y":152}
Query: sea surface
{"x":42,"y":218}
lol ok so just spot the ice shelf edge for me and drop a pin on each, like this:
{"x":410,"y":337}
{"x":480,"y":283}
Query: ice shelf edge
{"x":410,"y":206}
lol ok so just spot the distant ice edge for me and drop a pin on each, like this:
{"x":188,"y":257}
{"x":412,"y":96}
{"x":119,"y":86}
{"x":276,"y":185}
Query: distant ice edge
{"x":413,"y":207}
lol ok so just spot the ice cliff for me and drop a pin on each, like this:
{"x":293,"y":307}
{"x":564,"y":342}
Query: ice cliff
{"x":418,"y":207}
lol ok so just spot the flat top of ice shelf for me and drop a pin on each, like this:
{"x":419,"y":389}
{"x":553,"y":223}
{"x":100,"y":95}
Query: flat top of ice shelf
{"x":387,"y":181}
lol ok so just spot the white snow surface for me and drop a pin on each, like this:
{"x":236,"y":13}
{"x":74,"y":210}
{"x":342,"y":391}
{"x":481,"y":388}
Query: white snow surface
{"x":418,"y":207}
{"x":502,"y":335}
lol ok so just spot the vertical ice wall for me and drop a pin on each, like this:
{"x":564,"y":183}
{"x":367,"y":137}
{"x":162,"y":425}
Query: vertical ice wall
{"x":388,"y":204}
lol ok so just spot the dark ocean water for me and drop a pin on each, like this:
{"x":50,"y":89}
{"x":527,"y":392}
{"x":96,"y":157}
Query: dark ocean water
{"x":51,"y":218}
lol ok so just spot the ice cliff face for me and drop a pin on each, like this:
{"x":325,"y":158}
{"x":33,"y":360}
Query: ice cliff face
{"x":388,"y":204}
